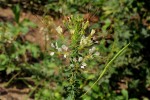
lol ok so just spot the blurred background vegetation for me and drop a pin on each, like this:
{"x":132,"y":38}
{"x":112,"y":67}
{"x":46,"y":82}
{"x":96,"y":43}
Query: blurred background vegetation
{"x":117,"y":22}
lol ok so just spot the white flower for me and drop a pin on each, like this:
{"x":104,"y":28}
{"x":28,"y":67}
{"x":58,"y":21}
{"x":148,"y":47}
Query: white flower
{"x":80,"y":59}
{"x":52,"y":53}
{"x":65,"y":55}
{"x":17,"y":58}
{"x":64,"y":47}
{"x":85,"y":41}
{"x":59,"y":49}
{"x":92,"y":50}
{"x":71,"y":65}
{"x":59,"y":29}
{"x":83,"y":65}
{"x":52,"y":45}
{"x":72,"y":31}
{"x":97,"y":54}
{"x":92,"y":32}
{"x":74,"y":59}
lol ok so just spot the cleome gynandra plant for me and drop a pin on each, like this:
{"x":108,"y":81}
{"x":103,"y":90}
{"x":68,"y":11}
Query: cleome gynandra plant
{"x":75,"y":51}
{"x":81,"y":57}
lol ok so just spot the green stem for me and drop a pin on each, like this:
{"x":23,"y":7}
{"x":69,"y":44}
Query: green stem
{"x":7,"y":84}
{"x":33,"y":90}
{"x":106,"y":67}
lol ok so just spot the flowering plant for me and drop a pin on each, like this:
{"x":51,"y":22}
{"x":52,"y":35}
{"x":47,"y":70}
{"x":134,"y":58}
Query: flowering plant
{"x":77,"y":56}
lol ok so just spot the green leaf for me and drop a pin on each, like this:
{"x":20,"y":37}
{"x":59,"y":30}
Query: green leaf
{"x":107,"y":24}
{"x":10,"y":69}
{"x":125,"y":94}
{"x":3,"y":59}
{"x":2,"y":68}
{"x":28,"y":23}
{"x":16,"y":11}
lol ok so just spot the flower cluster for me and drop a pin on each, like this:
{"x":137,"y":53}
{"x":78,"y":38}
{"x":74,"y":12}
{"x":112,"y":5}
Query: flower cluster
{"x":79,"y":42}
{"x":79,"y":60}
{"x":86,"y":41}
{"x":61,"y":50}
{"x":59,"y":30}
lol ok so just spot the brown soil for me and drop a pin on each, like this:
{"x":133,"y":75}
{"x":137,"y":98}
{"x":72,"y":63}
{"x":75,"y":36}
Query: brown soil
{"x":13,"y":93}
{"x":34,"y":35}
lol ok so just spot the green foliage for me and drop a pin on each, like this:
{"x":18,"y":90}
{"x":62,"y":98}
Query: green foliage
{"x":16,"y":11}
{"x":69,"y":69}
{"x":124,"y":20}
{"x":13,"y":51}
{"x":128,"y":26}
{"x":73,"y":6}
